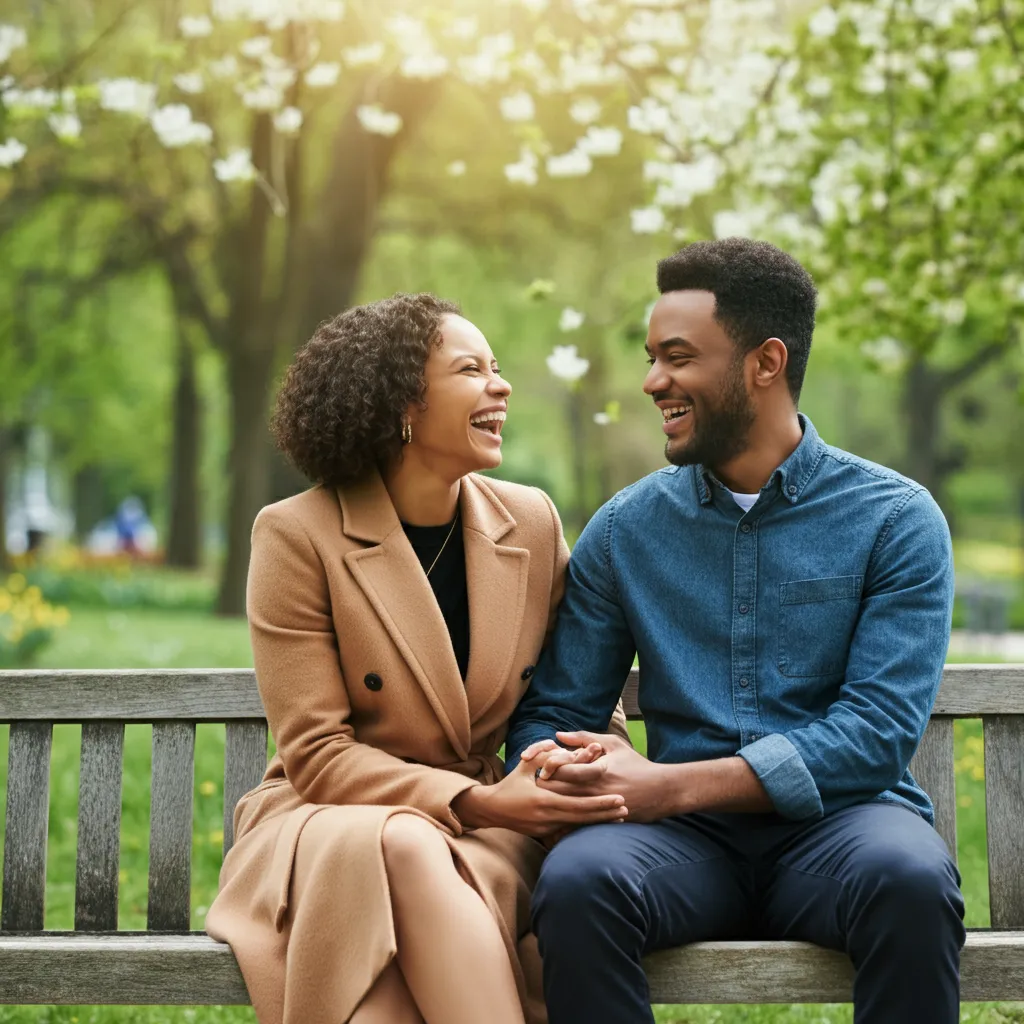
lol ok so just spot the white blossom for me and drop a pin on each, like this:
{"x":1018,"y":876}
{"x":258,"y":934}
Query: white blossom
{"x":650,"y":117}
{"x":463,"y":28}
{"x":424,"y":65}
{"x":457,"y":168}
{"x":953,"y":311}
{"x":65,"y":125}
{"x":279,"y":78}
{"x":819,"y":87}
{"x":732,"y":224}
{"x":190,"y":82}
{"x":888,"y":352}
{"x":962,"y":60}
{"x":585,"y":110}
{"x":363,"y":56}
{"x":875,"y":287}
{"x":988,"y":142}
{"x":571,"y":319}
{"x":667,"y":28}
{"x":175,"y":128}
{"x":601,"y":142}
{"x":11,"y":152}
{"x":648,"y":220}
{"x":643,"y":55}
{"x":323,"y":75}
{"x":226,"y":67}
{"x":30,"y":99}
{"x":263,"y":97}
{"x":11,"y":38}
{"x":823,"y":22}
{"x":573,"y":164}
{"x":378,"y":121}
{"x":602,"y":419}
{"x":517,"y":107}
{"x":524,"y":170}
{"x":288,"y":121}
{"x":195,"y":26}
{"x":237,"y":166}
{"x":255,"y":47}
{"x":127,"y":96}
{"x":566,"y":363}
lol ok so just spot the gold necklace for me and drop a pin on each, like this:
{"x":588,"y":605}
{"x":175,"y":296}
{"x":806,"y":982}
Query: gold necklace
{"x":445,"y":544}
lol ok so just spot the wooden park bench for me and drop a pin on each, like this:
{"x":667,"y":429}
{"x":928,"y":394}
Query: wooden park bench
{"x":167,"y":964}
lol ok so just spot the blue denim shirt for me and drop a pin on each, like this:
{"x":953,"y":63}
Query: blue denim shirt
{"x":807,"y":635}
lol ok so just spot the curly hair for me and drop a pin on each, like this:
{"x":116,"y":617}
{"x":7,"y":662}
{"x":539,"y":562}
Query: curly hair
{"x":760,"y":292}
{"x":340,"y":408}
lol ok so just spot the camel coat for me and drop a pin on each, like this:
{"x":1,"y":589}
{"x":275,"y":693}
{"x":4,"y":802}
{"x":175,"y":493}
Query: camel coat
{"x":370,"y":715}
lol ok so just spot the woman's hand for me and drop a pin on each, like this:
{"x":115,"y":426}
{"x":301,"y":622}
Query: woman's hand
{"x":518,"y":803}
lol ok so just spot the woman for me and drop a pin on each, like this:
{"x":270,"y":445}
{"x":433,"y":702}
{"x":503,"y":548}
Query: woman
{"x":382,"y":870}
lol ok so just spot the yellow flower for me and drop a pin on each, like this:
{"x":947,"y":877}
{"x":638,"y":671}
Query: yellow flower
{"x":33,"y":595}
{"x":207,"y":788}
{"x":16,"y":583}
{"x":216,"y":837}
{"x":5,"y":601}
{"x":20,"y":612}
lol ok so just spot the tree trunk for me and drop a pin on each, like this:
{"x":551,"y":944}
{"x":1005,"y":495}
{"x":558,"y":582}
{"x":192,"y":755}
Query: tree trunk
{"x":578,"y":443}
{"x":5,"y":558}
{"x":184,"y":536}
{"x":88,"y":496}
{"x":922,"y":395}
{"x":249,"y":371}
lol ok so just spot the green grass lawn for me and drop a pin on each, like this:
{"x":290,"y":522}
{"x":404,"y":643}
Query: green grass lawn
{"x":99,"y":638}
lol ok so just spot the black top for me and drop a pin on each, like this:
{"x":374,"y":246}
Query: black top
{"x":447,"y":580}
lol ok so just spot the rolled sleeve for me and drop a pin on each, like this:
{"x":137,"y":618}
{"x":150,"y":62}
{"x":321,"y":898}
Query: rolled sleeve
{"x":785,"y":776}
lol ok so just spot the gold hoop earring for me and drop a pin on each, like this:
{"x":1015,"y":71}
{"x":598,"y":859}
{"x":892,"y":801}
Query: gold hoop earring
{"x":407,"y":433}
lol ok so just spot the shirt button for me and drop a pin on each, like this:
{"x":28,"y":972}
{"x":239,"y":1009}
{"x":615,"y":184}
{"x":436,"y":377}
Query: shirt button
{"x":791,"y":489}
{"x":744,"y":682}
{"x":373,"y":682}
{"x":745,"y":528}
{"x":744,"y":609}
{"x":754,"y":737}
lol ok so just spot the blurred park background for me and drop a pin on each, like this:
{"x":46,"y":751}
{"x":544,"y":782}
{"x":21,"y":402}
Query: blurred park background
{"x":187,"y":187}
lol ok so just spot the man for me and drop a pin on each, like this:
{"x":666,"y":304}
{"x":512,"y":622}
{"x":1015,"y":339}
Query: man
{"x":790,"y":604}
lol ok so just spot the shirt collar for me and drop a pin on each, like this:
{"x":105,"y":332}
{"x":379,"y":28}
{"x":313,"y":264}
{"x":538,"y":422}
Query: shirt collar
{"x":792,"y":476}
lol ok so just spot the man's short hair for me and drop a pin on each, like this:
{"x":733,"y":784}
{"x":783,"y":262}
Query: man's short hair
{"x":760,"y":292}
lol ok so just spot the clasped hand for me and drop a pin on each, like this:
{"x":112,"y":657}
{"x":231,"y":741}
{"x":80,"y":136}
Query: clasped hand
{"x":618,"y":769}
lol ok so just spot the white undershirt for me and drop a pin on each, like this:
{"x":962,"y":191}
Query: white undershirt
{"x":745,"y":501}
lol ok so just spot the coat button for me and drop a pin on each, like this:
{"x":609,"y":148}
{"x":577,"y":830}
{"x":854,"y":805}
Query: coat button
{"x":527,"y":672}
{"x":373,"y":682}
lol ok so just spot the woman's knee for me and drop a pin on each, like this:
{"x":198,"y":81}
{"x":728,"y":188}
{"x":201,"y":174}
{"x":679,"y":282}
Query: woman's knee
{"x":410,"y":842}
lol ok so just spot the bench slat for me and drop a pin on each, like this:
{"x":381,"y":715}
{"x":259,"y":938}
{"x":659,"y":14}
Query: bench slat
{"x":220,"y":695}
{"x":99,"y":826}
{"x":245,"y":761}
{"x":933,"y":767}
{"x":183,"y":969}
{"x":28,"y":812}
{"x":1004,"y":809}
{"x":170,"y":830}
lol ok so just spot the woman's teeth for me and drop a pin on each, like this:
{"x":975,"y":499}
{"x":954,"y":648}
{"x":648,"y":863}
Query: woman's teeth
{"x":489,"y":421}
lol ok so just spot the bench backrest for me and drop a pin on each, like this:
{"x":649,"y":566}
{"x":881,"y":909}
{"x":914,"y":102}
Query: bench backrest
{"x":103,"y":702}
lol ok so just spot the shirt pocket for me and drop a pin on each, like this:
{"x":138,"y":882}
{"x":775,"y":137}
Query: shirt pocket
{"x":816,"y":623}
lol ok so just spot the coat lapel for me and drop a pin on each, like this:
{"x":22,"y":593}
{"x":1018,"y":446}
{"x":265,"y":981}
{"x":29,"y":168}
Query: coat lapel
{"x":394,"y":583}
{"x":497,"y":577}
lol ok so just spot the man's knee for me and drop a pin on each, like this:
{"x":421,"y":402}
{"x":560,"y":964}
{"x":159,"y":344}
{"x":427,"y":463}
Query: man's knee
{"x":580,"y":877}
{"x":918,"y":884}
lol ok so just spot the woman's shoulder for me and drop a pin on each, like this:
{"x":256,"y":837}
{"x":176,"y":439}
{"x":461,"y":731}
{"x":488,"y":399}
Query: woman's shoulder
{"x":310,"y":509}
{"x":523,"y":502}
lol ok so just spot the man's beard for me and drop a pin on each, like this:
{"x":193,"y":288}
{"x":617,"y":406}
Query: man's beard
{"x":723,"y":430}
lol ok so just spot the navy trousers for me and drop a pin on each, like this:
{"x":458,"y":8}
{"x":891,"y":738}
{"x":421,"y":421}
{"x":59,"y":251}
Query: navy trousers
{"x":875,"y":881}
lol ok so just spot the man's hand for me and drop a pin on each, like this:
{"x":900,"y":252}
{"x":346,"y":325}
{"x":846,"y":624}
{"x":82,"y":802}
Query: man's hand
{"x":518,"y":803}
{"x":646,"y":787}
{"x":547,"y":756}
